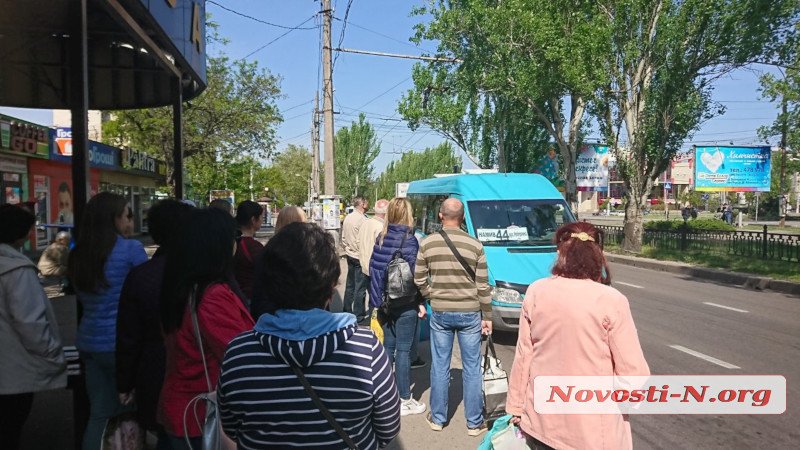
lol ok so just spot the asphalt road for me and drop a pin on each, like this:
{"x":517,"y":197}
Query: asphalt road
{"x":668,"y":310}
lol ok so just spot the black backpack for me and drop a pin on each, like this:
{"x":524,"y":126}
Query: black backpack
{"x":399,"y":289}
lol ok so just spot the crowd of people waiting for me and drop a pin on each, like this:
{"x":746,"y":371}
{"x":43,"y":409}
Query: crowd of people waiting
{"x":215,"y":310}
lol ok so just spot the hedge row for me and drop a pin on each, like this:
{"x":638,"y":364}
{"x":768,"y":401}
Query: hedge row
{"x":692,"y":225}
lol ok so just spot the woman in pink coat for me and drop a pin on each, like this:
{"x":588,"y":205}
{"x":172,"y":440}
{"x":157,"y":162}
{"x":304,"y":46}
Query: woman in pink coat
{"x":573,"y":323}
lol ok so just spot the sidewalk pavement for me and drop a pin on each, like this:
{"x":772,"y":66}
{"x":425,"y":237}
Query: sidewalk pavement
{"x":720,"y":276}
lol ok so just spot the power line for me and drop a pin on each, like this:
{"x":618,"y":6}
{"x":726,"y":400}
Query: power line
{"x":282,"y":35}
{"x":384,"y":92}
{"x":341,"y":35}
{"x":382,"y":35}
{"x":257,"y":19}
{"x":297,"y":106}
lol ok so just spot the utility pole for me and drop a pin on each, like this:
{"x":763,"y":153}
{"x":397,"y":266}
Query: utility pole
{"x":782,"y":200}
{"x":315,"y":148}
{"x":327,"y":98}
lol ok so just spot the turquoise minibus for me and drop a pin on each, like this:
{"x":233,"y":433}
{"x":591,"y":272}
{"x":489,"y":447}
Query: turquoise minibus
{"x":514,"y":215}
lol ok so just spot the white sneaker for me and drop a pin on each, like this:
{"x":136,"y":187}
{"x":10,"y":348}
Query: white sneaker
{"x":411,"y":406}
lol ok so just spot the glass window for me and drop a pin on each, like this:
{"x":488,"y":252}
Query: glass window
{"x":426,"y":212}
{"x":518,"y":222}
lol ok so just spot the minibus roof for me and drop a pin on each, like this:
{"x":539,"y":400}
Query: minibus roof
{"x":489,"y":186}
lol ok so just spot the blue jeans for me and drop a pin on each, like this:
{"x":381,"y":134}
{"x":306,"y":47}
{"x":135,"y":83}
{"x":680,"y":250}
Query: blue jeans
{"x":101,"y":385}
{"x":399,"y":334}
{"x":444,"y":325}
{"x":355,"y":292}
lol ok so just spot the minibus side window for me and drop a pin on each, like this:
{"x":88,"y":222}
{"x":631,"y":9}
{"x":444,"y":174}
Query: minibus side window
{"x":426,"y":212}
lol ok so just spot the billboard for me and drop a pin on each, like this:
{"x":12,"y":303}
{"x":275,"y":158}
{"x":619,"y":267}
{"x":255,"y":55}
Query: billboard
{"x":100,"y":155}
{"x":721,"y":168}
{"x":682,"y":169}
{"x":591,"y":167}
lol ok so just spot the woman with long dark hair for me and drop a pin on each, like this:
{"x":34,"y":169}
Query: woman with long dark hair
{"x":573,"y":323}
{"x":199,"y":270}
{"x":249,"y":217}
{"x":97,"y":267}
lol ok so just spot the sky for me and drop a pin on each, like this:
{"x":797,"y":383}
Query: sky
{"x":374,"y":85}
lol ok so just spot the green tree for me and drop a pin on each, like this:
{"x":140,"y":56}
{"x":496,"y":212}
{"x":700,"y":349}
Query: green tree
{"x":235,"y":175}
{"x":417,"y":166}
{"x":663,"y":56}
{"x":289,"y":175}
{"x":236,"y":115}
{"x":356,"y":149}
{"x":538,"y":60}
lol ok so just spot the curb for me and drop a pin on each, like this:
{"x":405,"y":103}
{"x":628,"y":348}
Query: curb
{"x":746,"y":280}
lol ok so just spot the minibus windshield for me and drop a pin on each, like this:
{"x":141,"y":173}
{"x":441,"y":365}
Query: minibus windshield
{"x":510,"y":223}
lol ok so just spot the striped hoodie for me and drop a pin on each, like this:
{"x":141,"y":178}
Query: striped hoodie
{"x":443,"y":280}
{"x":263,"y":405}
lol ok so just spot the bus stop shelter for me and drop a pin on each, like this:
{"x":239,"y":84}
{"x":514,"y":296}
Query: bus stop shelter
{"x":102,"y":54}
{"x":106,"y":55}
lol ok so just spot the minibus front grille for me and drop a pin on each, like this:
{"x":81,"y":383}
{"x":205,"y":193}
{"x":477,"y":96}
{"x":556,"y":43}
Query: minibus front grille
{"x":544,"y":249}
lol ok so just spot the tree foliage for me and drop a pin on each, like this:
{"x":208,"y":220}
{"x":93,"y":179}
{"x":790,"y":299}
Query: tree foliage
{"x":417,"y":166}
{"x":236,"y":115}
{"x":537,"y":60}
{"x":289,"y":175}
{"x":662,"y":57}
{"x":234,"y":175}
{"x":357,"y":147}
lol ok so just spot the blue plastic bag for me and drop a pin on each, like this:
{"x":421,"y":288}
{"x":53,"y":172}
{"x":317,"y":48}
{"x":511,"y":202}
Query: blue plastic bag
{"x":425,"y":325}
{"x":502,"y":431}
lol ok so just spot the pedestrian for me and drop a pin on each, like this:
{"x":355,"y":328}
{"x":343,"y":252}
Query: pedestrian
{"x":289,"y":214}
{"x":199,"y":275}
{"x":400,"y":321}
{"x":141,"y":359}
{"x":367,"y":233}
{"x":262,"y":401}
{"x":31,"y":351}
{"x":575,"y":312}
{"x":97,"y":268}
{"x":249,"y":216}
{"x":222,"y":205}
{"x":460,"y":299}
{"x":356,"y":288}
{"x":53,"y":262}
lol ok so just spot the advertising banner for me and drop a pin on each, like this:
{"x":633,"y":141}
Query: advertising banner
{"x":100,"y":155}
{"x":683,"y":169}
{"x":25,"y":138}
{"x":733,"y":169}
{"x":591,"y":167}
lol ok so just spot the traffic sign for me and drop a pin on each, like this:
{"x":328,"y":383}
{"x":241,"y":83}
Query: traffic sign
{"x":667,"y":185}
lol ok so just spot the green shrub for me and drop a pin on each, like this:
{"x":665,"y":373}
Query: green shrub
{"x":693,"y":225}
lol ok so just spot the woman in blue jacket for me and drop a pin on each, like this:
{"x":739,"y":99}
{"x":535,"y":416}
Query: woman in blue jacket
{"x":98,"y":265}
{"x":400,"y":323}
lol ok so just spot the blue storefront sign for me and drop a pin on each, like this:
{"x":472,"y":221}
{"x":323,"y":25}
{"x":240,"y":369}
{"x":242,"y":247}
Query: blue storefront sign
{"x":737,"y":169}
{"x":101,"y":156}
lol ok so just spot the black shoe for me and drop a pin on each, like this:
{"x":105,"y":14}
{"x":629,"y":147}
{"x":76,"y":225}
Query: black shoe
{"x":418,"y":363}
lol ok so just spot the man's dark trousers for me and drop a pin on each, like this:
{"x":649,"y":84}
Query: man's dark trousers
{"x":356,"y":290}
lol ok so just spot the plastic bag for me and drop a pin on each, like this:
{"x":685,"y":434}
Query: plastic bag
{"x":504,"y":436}
{"x":375,"y":326}
{"x":123,"y":433}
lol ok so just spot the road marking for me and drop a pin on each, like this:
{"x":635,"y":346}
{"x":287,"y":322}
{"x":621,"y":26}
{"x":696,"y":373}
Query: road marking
{"x":703,"y":356}
{"x":726,"y":307}
{"x":629,"y":284}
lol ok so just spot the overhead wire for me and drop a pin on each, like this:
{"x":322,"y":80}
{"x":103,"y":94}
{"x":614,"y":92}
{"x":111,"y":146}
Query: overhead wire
{"x":233,"y":11}
{"x":341,"y":35}
{"x":279,"y":37}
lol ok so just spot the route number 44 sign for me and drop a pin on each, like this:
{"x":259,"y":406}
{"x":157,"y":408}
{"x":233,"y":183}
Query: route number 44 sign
{"x":502,"y":234}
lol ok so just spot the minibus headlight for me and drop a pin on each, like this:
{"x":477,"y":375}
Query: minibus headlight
{"x":506,"y":295}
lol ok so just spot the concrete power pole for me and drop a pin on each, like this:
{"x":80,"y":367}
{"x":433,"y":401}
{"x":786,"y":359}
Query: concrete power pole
{"x":315,"y":148}
{"x":327,"y":98}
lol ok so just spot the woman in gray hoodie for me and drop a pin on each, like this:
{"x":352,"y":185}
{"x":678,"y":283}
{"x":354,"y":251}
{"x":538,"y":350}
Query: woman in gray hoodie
{"x":31,"y":352}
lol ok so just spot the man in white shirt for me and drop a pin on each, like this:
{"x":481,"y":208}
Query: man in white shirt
{"x":356,"y":287}
{"x":370,"y":229}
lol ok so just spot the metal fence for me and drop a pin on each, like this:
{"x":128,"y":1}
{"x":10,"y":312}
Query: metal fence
{"x":751,"y":244}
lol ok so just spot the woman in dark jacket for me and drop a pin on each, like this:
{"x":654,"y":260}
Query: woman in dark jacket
{"x":140,"y":344}
{"x":400,"y":323}
{"x":249,"y":217}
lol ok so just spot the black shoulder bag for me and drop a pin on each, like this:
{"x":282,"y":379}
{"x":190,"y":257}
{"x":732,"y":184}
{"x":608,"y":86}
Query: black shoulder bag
{"x":328,"y":416}
{"x":458,"y":256}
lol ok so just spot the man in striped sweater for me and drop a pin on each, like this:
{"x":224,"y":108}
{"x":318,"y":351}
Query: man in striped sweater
{"x":461,"y":302}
